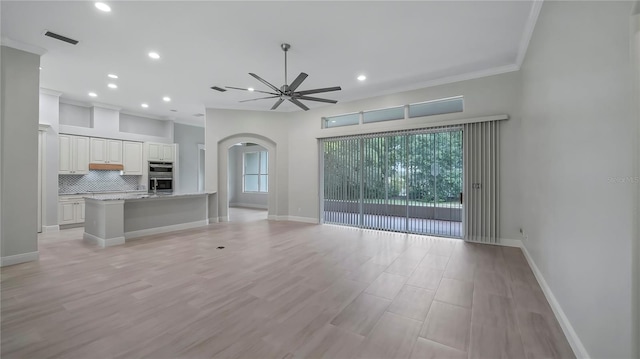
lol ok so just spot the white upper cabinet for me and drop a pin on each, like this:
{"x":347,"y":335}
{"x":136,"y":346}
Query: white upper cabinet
{"x":114,"y":151}
{"x":160,"y":152}
{"x":74,"y":154}
{"x":132,"y":158}
{"x":106,"y":151}
{"x":167,"y":152}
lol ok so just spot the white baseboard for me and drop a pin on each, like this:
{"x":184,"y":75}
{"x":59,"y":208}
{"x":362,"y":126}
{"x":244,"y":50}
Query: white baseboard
{"x":249,"y":205}
{"x":212,"y":220}
{"x":223,"y":219}
{"x":157,"y":230}
{"x":102,"y":242}
{"x":576,"y":344}
{"x":508,"y":242}
{"x":55,"y":228}
{"x":298,"y":219}
{"x":273,"y":217}
{"x":19,"y":258}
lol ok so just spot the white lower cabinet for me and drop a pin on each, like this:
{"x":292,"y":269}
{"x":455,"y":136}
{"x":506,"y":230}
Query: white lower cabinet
{"x":70,"y":210}
{"x":80,"y":211}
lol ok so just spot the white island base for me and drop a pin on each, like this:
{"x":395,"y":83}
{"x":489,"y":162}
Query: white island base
{"x":110,"y":221}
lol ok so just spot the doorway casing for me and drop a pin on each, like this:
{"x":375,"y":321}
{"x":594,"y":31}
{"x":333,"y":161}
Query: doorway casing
{"x":223,"y":172}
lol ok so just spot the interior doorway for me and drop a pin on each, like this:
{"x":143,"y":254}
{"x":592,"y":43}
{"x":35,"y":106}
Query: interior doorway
{"x":248,"y":182}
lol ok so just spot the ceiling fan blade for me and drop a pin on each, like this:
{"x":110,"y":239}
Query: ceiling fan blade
{"x":316,"y":99}
{"x":265,"y":82}
{"x":299,"y":104}
{"x":326,"y":89}
{"x":261,"y":98}
{"x":240,"y":88}
{"x":294,"y":85}
{"x":281,"y":100}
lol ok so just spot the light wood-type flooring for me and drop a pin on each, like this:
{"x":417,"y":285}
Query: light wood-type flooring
{"x":277,"y":290}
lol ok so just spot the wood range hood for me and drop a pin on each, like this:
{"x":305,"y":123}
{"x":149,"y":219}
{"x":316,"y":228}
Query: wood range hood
{"x":105,"y":167}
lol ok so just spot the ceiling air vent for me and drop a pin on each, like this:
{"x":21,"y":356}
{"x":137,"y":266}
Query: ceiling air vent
{"x":199,"y":115}
{"x":61,"y":38}
{"x":218,"y":89}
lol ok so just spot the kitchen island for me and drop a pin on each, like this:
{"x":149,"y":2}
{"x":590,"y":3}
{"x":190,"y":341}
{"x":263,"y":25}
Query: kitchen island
{"x":112,"y":219}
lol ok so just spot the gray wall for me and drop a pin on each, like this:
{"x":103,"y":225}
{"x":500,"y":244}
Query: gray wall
{"x":73,"y":115}
{"x":108,"y":122}
{"x":20,"y":79}
{"x":188,"y":137}
{"x":486,"y":96}
{"x":236,"y":196}
{"x":224,"y":128}
{"x":295,"y":135}
{"x":145,"y":126}
{"x":579,"y":154}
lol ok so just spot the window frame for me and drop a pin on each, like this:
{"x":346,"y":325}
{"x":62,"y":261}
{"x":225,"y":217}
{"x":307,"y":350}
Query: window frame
{"x":261,"y":171}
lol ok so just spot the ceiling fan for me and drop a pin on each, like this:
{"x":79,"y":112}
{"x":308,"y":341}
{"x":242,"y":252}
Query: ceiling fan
{"x":288,"y":91}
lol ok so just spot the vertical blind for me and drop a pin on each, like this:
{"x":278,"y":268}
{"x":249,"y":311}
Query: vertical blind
{"x":405,"y":181}
{"x":414,"y":181}
{"x":482,"y":181}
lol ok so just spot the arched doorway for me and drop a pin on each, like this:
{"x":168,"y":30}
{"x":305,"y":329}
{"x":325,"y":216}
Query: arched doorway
{"x":224,"y":146}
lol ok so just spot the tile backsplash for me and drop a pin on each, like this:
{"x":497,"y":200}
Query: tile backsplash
{"x":97,"y":181}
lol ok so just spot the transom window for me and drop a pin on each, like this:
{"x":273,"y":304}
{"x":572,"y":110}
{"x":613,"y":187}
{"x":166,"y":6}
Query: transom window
{"x":255,"y":172}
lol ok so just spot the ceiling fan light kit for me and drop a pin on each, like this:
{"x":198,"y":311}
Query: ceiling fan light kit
{"x":288,"y":91}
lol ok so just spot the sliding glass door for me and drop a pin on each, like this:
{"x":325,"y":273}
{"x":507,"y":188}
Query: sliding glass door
{"x":407,"y":181}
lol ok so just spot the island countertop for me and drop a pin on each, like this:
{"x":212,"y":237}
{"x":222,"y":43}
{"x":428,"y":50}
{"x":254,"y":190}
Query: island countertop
{"x":145,"y":195}
{"x":115,"y":218}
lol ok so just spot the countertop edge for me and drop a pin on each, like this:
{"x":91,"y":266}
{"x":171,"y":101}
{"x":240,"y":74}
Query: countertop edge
{"x":146,"y":196}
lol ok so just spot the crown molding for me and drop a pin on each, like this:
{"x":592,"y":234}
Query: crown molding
{"x":74,"y":102}
{"x":5,"y":41}
{"x":105,"y":106}
{"x":50,"y":92}
{"x":144,"y":115}
{"x":528,"y":31}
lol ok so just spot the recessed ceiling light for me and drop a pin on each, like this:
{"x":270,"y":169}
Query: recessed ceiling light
{"x":166,"y":99}
{"x":250,"y":89}
{"x":144,"y":105}
{"x":103,"y":7}
{"x":362,"y":78}
{"x":112,"y":86}
{"x":93,"y":94}
{"x":154,"y":55}
{"x":40,"y":67}
{"x":113,"y":76}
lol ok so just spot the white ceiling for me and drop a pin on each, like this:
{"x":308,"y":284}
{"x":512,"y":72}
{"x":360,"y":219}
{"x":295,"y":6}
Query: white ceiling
{"x":397,"y":45}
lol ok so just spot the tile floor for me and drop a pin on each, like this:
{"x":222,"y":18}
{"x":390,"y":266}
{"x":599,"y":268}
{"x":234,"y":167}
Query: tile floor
{"x":277,"y":290}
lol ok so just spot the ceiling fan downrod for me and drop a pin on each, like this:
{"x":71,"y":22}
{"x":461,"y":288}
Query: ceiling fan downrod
{"x":285,"y":47}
